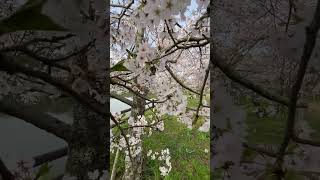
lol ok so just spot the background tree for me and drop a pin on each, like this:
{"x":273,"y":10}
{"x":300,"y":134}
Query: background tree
{"x":268,"y":50}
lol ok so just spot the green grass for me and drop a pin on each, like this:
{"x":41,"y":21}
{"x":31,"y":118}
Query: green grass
{"x":188,"y":158}
{"x":193,"y":100}
{"x":290,"y":175}
{"x":312,"y":117}
{"x":263,"y":130}
{"x":189,"y":161}
{"x":267,"y":131}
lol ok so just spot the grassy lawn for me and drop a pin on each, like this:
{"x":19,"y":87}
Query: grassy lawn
{"x":312,"y":117}
{"x":189,"y":161}
{"x":267,"y":131}
{"x":188,"y":158}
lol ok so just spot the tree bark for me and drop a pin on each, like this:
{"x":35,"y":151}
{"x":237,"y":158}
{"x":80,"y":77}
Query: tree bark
{"x":134,"y":168}
{"x":88,"y":144}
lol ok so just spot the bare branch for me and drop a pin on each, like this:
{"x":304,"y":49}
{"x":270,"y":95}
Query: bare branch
{"x":201,"y":95}
{"x":124,"y":136}
{"x":179,"y":81}
{"x":236,"y":77}
{"x":123,"y":12}
{"x":136,"y":93}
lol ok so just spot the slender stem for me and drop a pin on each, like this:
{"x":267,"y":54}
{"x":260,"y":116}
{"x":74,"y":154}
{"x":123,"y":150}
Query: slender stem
{"x":114,"y":167}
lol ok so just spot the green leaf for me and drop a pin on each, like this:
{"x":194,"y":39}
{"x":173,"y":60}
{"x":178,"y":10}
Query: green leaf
{"x":43,"y":171}
{"x":29,"y":17}
{"x":119,"y":67}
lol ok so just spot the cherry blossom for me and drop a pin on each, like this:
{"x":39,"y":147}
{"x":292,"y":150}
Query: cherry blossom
{"x":157,"y":70}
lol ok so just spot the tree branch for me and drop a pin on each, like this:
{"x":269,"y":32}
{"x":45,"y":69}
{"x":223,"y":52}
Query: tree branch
{"x":122,"y":99}
{"x":179,"y":81}
{"x":236,"y":77}
{"x":305,"y":141}
{"x":41,"y":120}
{"x":260,"y":150}
{"x":201,"y":95}
{"x":50,"y":156}
{"x":7,"y":64}
{"x":311,"y":36}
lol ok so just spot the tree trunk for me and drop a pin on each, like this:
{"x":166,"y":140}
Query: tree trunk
{"x":134,"y":169}
{"x":88,"y":144}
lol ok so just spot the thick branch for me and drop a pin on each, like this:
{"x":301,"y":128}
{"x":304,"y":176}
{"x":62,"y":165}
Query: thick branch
{"x":50,"y":156}
{"x":122,"y":99}
{"x":7,"y":64}
{"x":41,"y":120}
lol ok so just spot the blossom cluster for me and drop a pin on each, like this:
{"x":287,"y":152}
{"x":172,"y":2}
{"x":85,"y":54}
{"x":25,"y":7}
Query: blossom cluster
{"x":139,"y":127}
{"x":164,"y":155}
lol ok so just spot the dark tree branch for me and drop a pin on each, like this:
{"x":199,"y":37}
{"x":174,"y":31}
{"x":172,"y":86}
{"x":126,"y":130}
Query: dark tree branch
{"x":114,"y":82}
{"x":311,"y":36}
{"x":260,"y":150}
{"x":289,"y":15}
{"x":305,"y":141}
{"x":122,"y":99}
{"x":217,"y":60}
{"x":124,"y":136}
{"x":123,"y":12}
{"x":7,"y":64}
{"x":179,"y":81}
{"x":49,"y":61}
{"x":50,"y":156}
{"x":30,"y":115}
{"x":201,"y":95}
{"x":53,"y":39}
